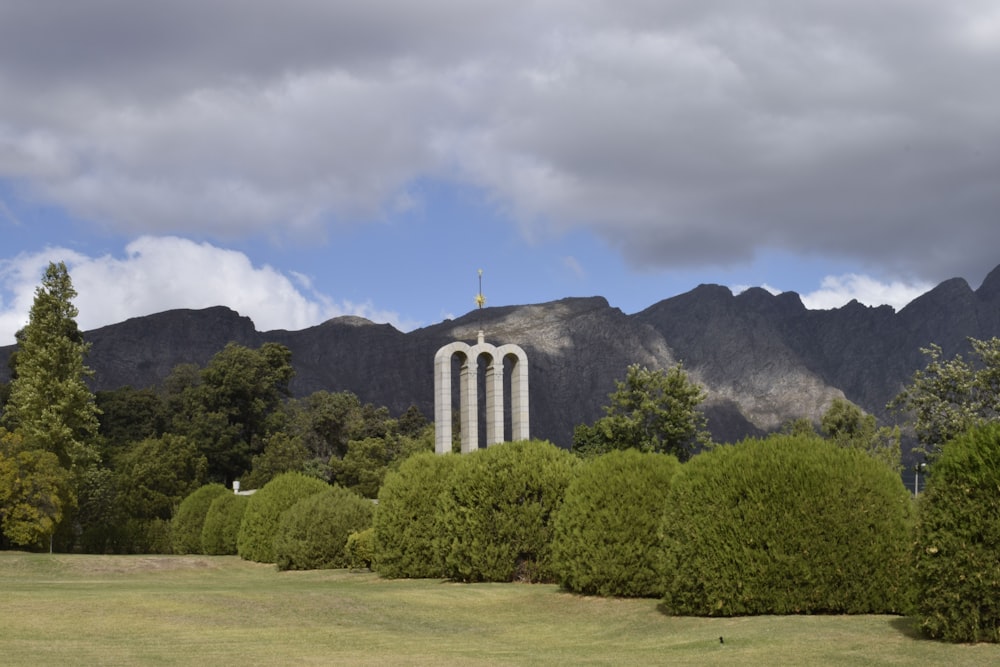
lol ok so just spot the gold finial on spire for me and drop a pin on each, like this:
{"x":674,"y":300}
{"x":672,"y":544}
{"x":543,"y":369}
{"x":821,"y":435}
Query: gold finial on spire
{"x":480,"y":299}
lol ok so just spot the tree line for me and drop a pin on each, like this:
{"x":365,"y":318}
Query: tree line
{"x":105,"y":472}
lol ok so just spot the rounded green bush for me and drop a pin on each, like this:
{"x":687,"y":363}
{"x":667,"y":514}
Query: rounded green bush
{"x":785,"y":525}
{"x":406,"y":521}
{"x":222,"y":524}
{"x":360,"y":549}
{"x":185,"y":528}
{"x":606,"y":539}
{"x":956,"y":556}
{"x":496,"y":512}
{"x":312,"y":533}
{"x":255,"y":541}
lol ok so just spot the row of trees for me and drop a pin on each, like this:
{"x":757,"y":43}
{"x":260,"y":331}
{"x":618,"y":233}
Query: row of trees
{"x":105,"y":472}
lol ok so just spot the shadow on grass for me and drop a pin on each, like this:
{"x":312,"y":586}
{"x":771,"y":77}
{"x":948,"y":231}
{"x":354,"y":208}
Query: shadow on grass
{"x":907,"y":626}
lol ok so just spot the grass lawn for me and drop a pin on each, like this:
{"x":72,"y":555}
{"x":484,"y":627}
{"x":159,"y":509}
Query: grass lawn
{"x":183,"y":610}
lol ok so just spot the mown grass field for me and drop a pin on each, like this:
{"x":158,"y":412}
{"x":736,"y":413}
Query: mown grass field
{"x":185,"y":610}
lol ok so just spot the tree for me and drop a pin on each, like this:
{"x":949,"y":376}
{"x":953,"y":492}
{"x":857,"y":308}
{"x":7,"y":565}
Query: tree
{"x":956,"y":552}
{"x":129,"y":415}
{"x":34,"y":492}
{"x":848,"y":426}
{"x":152,"y":477}
{"x":948,"y":397}
{"x":50,"y":405}
{"x":367,"y":461}
{"x":652,"y":411}
{"x":225,"y":408}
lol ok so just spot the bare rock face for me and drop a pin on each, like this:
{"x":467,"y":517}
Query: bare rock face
{"x":764,"y":359}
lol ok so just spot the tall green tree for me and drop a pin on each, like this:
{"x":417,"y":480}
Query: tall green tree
{"x":226,"y":408}
{"x":50,"y":405}
{"x":950,"y":396}
{"x":650,"y":410}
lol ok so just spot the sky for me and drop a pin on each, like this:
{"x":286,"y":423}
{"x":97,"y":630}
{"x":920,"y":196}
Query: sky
{"x":307,"y":159}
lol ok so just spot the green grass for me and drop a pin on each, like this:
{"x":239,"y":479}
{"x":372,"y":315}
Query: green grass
{"x":183,"y":610}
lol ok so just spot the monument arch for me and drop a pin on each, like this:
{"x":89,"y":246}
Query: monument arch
{"x":495,"y":358}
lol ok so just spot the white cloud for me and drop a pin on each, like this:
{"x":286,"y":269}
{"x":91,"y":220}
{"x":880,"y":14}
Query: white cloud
{"x":836,"y":291}
{"x":162,"y":273}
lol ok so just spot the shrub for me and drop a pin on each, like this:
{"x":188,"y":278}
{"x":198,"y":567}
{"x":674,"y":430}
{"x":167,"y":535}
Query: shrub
{"x":956,"y":556}
{"x":406,"y":522}
{"x":360,"y":549}
{"x":185,"y":529}
{"x":787,"y":525}
{"x":312,"y":533}
{"x":606,"y":535}
{"x":255,"y":540}
{"x":222,"y":524}
{"x":496,"y":512}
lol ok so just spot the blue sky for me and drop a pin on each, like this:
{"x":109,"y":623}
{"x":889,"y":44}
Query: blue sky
{"x":311,"y":160}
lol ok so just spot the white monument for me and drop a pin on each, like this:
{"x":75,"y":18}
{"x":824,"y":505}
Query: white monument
{"x":495,"y":358}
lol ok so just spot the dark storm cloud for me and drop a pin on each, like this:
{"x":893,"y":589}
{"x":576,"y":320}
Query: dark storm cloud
{"x":682,"y":132}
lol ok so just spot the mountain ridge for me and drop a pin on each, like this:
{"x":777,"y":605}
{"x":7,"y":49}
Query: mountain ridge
{"x":764,"y":358}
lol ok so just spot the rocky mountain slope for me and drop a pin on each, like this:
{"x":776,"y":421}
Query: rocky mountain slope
{"x":764,"y":359}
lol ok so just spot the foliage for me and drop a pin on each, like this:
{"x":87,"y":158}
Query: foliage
{"x":282,"y":453}
{"x":606,"y":533}
{"x":948,"y":397}
{"x":100,"y":519}
{"x":129,"y":415}
{"x":154,"y":475}
{"x":956,"y":556}
{"x":650,"y":410}
{"x":50,"y":405}
{"x":222,"y":524}
{"x":255,"y":541}
{"x":226,"y":407}
{"x":848,"y":426}
{"x":360,"y":549}
{"x":35,"y":491}
{"x":186,"y":527}
{"x":325,"y":422}
{"x":406,"y":522}
{"x":367,"y":461}
{"x":497,"y":509}
{"x":312,"y":533}
{"x":785,"y":525}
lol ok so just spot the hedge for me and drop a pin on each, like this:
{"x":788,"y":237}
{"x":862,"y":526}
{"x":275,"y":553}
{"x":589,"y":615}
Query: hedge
{"x":255,"y":541}
{"x":185,"y":529}
{"x":496,"y":511}
{"x":312,"y":533}
{"x":607,"y":531}
{"x":222,"y":524}
{"x":956,"y":556}
{"x":790,"y":524}
{"x":406,"y":523}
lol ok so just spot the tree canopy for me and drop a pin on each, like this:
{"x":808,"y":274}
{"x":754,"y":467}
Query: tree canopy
{"x":650,"y":410}
{"x":950,"y":396}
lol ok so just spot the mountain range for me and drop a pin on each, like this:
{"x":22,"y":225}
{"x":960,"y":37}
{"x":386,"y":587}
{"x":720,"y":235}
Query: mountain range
{"x":764,"y":359}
